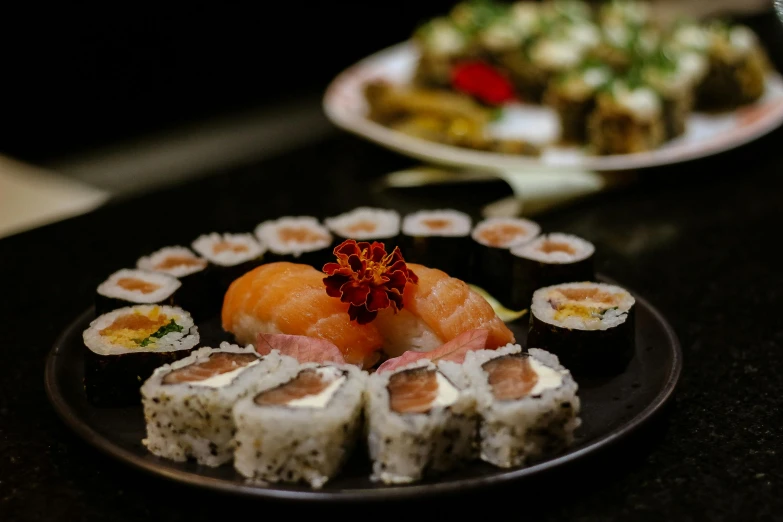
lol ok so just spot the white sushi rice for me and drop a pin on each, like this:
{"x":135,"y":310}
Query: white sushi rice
{"x":193,"y":419}
{"x":403,"y":446}
{"x":551,"y":306}
{"x":247,"y":248}
{"x":527,"y":231}
{"x":310,"y":443}
{"x":167,"y":285}
{"x":172,"y":341}
{"x":269,"y":233}
{"x":515,"y":432}
{"x":536,"y":250}
{"x":357,"y":223}
{"x":153,"y":262}
{"x":404,"y":331}
{"x":455,"y":223}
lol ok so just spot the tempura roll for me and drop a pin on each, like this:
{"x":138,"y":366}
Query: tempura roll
{"x":492,"y":260}
{"x":589,"y":326}
{"x":301,"y":425}
{"x":187,"y":404}
{"x":418,"y":421}
{"x":126,"y":345}
{"x":528,"y":404}
{"x":547,"y":260}
{"x":297,"y":239}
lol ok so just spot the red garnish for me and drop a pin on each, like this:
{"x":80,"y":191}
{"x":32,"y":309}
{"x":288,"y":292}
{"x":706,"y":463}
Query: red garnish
{"x":367,"y":278}
{"x":303,"y":349}
{"x":482,"y":81}
{"x":454,"y":350}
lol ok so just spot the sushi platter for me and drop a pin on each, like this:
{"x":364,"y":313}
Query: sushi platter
{"x":561,"y":85}
{"x":349,"y":359}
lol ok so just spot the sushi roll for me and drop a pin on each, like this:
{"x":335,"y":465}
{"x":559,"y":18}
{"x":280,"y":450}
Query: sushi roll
{"x":527,"y":402}
{"x":492,"y":260}
{"x":231,"y":256}
{"x":627,"y":119}
{"x":441,"y":44}
{"x":589,"y":326}
{"x":301,"y":425}
{"x":187,"y":404}
{"x":625,"y":12}
{"x":128,"y":287}
{"x":126,"y":345}
{"x":418,"y":421}
{"x":197,"y":292}
{"x":300,"y":239}
{"x":366,"y":224}
{"x":438,"y":238}
{"x":549,"y":259}
{"x":623,"y":45}
{"x":737,"y":69}
{"x":572,"y":97}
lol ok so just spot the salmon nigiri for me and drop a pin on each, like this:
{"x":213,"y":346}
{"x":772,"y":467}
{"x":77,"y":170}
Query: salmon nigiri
{"x":291,"y":299}
{"x":436,"y":310}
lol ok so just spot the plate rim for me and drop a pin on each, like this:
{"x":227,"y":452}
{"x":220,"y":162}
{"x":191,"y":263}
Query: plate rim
{"x":462,"y":157}
{"x":107,"y":447}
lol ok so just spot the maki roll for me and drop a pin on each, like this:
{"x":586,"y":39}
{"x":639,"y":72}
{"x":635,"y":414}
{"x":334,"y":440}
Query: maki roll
{"x":366,"y":224}
{"x":627,"y":119}
{"x":197,"y":289}
{"x":231,"y":256}
{"x":589,"y":326}
{"x":187,"y":404}
{"x":418,"y":421}
{"x":527,"y":403}
{"x":549,"y":259}
{"x":126,"y":345}
{"x":441,"y":44}
{"x":128,"y":287}
{"x":438,"y":238}
{"x":300,"y":239}
{"x":492,"y":259}
{"x":622,"y":45}
{"x":572,"y":97}
{"x":301,"y":425}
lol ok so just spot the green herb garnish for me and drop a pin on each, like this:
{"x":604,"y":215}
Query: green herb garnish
{"x":163,"y":330}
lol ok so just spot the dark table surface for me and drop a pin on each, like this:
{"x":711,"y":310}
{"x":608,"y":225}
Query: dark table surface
{"x":698,"y":240}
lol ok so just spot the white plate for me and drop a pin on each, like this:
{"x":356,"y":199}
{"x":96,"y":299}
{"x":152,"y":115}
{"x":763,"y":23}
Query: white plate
{"x":345,"y":105}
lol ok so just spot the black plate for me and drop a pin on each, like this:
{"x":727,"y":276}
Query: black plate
{"x":610,"y":411}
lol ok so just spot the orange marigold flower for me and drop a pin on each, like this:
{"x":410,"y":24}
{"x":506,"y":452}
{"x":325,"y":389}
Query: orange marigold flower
{"x":367,"y":278}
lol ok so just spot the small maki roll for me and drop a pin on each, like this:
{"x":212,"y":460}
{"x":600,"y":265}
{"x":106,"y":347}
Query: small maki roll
{"x":231,"y":256}
{"x":438,"y":238}
{"x":547,"y":260}
{"x":300,"y":239}
{"x":366,"y":224}
{"x":128,"y":287}
{"x":492,"y":259}
{"x":589,"y":326}
{"x":127,"y":344}
{"x":196,"y":293}
{"x":527,"y":402}
{"x":187,"y":404}
{"x":627,"y":119}
{"x":301,"y":425}
{"x":572,"y":97}
{"x":418,"y":421}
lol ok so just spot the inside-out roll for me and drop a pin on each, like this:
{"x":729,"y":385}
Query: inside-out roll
{"x":547,"y":260}
{"x":418,"y":420}
{"x":589,"y":326}
{"x":126,"y":345}
{"x":527,"y":402}
{"x":301,"y":425}
{"x":187,"y":404}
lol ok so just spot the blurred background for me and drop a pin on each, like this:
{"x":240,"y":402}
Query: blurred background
{"x":107,"y":101}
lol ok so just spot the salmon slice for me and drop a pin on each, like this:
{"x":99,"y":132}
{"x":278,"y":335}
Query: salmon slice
{"x":413,"y":391}
{"x":291,"y":299}
{"x":449,"y":307}
{"x":511,"y":377}
{"x":176,"y":260}
{"x":502,"y":234}
{"x":137,"y":285}
{"x":216,"y":364}
{"x":136,"y":322}
{"x":306,"y":384}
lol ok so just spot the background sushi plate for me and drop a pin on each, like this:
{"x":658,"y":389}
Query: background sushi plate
{"x":706,"y":135}
{"x":611,"y":410}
